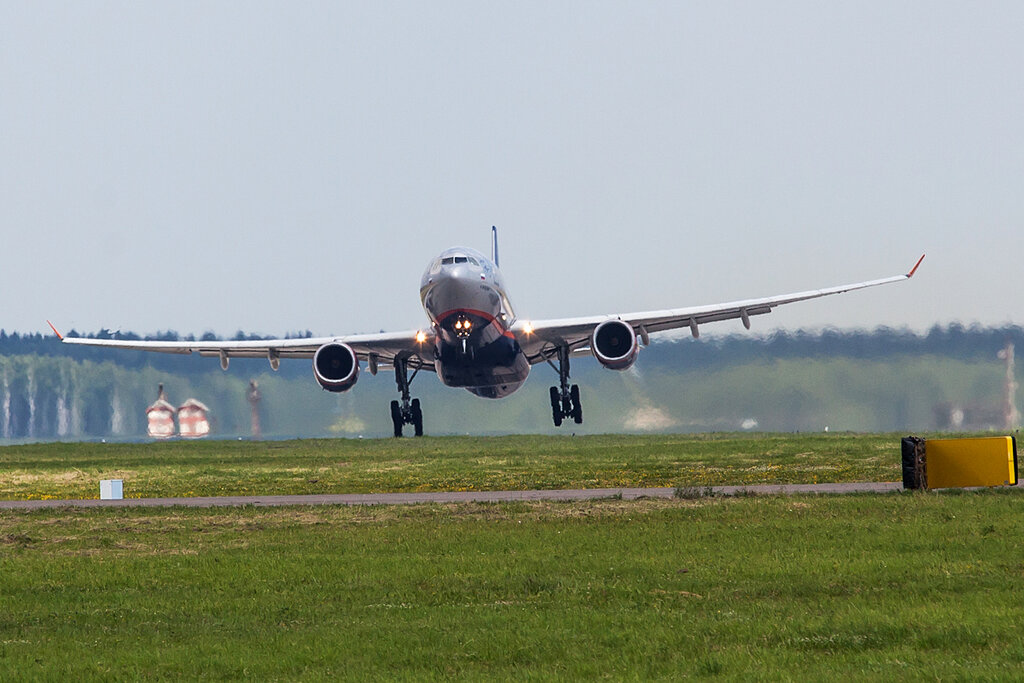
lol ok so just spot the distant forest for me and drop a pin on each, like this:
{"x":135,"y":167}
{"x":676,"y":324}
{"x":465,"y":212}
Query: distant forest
{"x":880,"y":380}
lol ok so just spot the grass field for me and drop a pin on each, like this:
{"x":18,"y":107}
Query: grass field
{"x":217,"y":468}
{"x":911,"y":586}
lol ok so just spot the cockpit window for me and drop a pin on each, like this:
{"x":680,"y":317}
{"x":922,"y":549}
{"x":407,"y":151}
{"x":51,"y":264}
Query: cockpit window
{"x":507,"y":307}
{"x":451,"y":260}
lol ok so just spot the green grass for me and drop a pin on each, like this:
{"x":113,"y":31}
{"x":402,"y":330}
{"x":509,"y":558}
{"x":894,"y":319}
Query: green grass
{"x":217,"y":468}
{"x":911,"y":586}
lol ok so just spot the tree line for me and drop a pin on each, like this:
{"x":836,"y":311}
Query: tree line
{"x":883,"y":379}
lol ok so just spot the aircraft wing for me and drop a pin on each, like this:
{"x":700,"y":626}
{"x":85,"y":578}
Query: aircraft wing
{"x":540,"y":339}
{"x":415,"y":345}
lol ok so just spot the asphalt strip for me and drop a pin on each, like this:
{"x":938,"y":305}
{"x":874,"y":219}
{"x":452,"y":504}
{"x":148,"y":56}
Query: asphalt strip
{"x":458,"y":496}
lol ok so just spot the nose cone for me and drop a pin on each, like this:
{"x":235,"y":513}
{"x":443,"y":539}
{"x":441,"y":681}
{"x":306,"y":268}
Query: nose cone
{"x":461,"y":271}
{"x":460,"y":289}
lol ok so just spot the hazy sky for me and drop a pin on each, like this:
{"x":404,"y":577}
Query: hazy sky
{"x":283,"y":166}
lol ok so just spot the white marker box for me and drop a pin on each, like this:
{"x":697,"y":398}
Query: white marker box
{"x":111,"y":489}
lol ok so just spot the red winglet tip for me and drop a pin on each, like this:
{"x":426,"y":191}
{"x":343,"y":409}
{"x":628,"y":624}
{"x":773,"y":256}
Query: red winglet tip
{"x":59,"y":335}
{"x":914,"y":269}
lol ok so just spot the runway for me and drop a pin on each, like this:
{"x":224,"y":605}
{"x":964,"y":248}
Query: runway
{"x":457,"y":496}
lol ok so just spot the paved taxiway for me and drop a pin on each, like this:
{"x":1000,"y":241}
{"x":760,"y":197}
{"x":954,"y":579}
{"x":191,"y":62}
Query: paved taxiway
{"x":453,"y":496}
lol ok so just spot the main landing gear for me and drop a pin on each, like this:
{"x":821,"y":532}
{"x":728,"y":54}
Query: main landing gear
{"x":407,"y":412}
{"x":565,"y":399}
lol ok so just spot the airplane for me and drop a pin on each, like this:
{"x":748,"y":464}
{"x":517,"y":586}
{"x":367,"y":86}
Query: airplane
{"x":475,"y":341}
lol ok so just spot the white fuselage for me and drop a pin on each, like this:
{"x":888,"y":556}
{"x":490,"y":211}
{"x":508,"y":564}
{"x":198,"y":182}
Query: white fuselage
{"x":463,"y":294}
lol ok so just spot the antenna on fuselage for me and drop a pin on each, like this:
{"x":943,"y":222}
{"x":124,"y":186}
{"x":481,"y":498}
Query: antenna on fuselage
{"x":494,"y":245}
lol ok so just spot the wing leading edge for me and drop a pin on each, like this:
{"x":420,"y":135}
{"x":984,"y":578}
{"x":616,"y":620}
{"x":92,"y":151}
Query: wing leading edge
{"x":540,"y":340}
{"x":381,"y":349}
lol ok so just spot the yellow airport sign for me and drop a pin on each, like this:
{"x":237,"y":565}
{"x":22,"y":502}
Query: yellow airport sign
{"x":958,"y":463}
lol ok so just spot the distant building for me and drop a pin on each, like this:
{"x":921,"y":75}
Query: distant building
{"x":193,"y":419}
{"x":160,"y":417}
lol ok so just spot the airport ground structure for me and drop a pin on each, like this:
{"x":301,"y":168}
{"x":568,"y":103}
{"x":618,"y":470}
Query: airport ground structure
{"x":883,"y":380}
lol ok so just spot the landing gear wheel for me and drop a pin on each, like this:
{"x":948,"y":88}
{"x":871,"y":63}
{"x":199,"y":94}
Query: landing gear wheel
{"x":556,"y":407}
{"x":577,"y":407}
{"x":565,"y":399}
{"x":396,"y":418}
{"x":417,"y":417}
{"x":405,"y":412}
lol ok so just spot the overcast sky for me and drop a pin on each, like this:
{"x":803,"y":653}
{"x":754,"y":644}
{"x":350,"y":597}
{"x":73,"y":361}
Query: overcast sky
{"x":285,"y":166}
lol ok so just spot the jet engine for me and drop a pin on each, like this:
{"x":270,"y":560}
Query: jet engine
{"x":336,"y":367}
{"x":614,"y":343}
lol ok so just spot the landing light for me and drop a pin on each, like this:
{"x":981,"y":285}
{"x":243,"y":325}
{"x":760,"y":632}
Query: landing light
{"x":421,"y":337}
{"x":463,"y":327}
{"x":528,"y":328}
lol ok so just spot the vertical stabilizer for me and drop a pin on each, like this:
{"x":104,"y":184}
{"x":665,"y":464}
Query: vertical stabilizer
{"x":494,"y":245}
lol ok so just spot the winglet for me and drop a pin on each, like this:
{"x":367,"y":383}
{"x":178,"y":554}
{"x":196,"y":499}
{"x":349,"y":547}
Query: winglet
{"x":59,"y":335}
{"x":494,"y":245}
{"x":914,"y":269}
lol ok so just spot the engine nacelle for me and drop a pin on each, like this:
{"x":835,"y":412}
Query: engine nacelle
{"x":614,"y":344}
{"x":336,"y":366}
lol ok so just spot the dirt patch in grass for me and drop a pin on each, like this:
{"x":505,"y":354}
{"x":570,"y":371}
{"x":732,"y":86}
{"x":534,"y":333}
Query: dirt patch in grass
{"x":23,"y":478}
{"x":62,"y":478}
